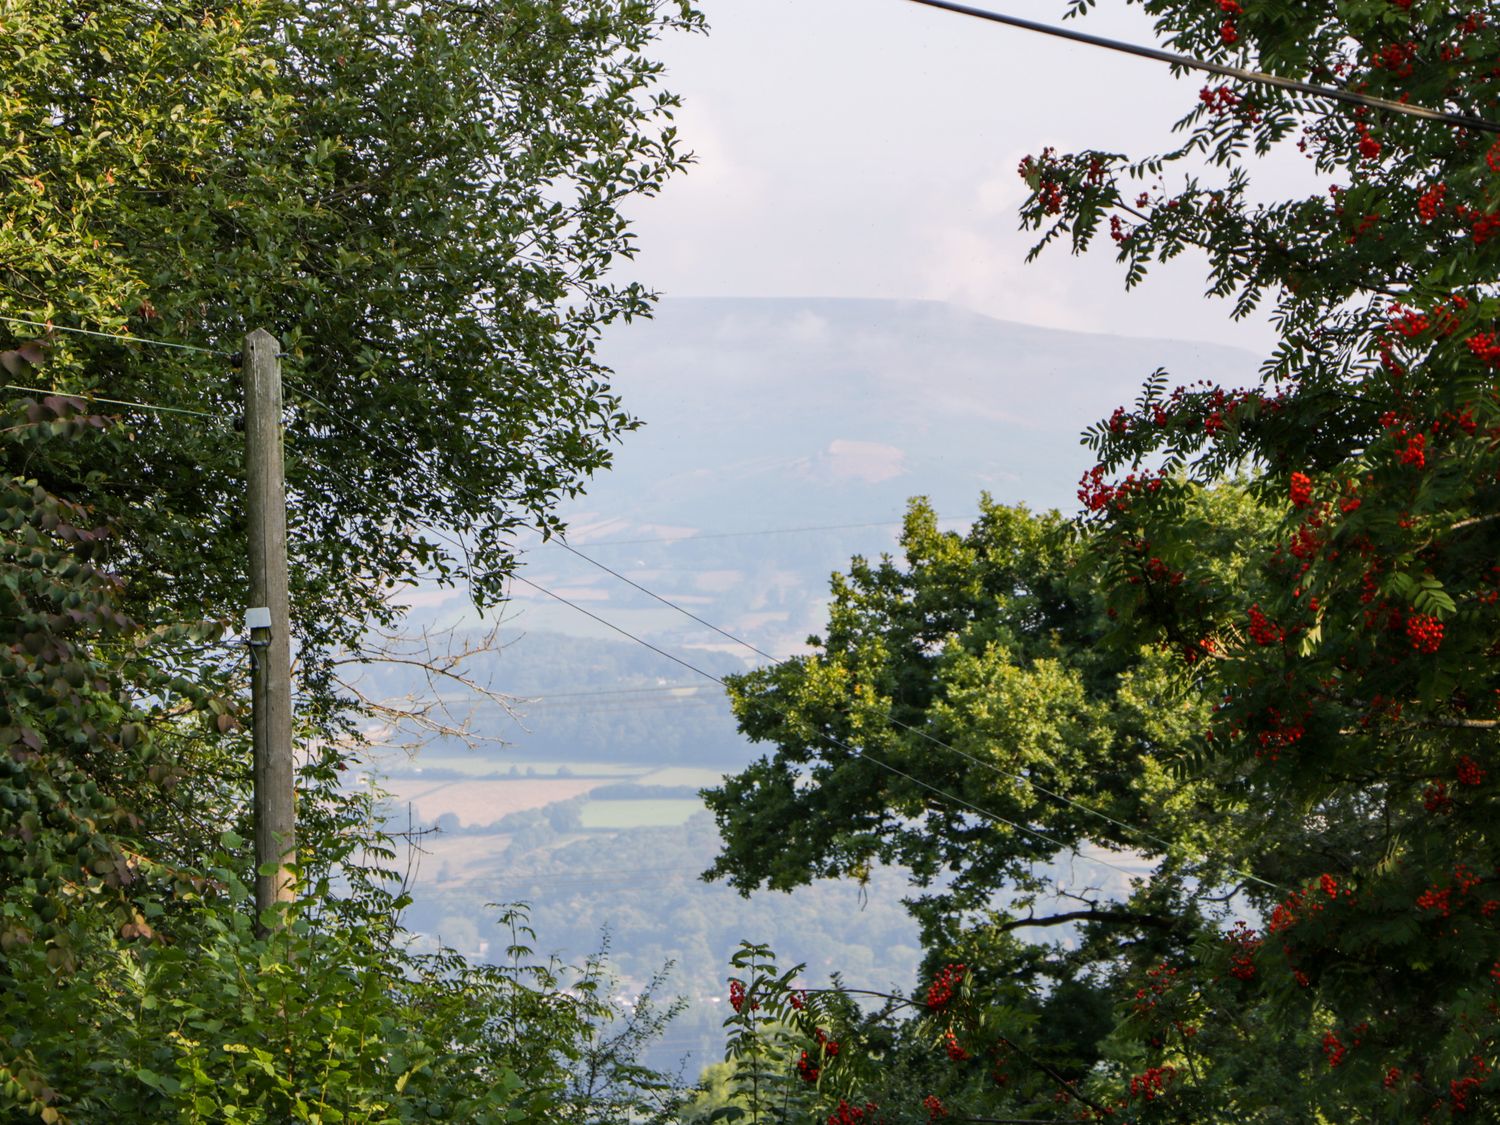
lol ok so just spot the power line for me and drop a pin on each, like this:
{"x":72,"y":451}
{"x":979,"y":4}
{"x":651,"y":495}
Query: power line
{"x":110,"y":401}
{"x":618,"y":629}
{"x":983,"y":814}
{"x":1332,"y":93}
{"x":1140,"y":834}
{"x":614,"y":691}
{"x":563,"y":543}
{"x":764,"y":531}
{"x":50,"y":327}
{"x":1012,"y":775}
{"x":857,"y":752}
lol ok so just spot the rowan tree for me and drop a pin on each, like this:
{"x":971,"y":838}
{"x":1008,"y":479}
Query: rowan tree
{"x":1338,"y":682}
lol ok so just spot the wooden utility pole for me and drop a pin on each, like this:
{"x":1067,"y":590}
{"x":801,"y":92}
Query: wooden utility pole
{"x":269,"y":622}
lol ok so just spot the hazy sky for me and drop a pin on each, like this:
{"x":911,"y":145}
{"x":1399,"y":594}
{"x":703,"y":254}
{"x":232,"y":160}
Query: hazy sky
{"x":868,"y":148}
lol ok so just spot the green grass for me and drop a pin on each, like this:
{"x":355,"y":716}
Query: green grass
{"x":658,"y":813}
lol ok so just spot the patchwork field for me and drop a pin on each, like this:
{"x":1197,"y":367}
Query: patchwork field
{"x":492,"y":765}
{"x":483,"y":802}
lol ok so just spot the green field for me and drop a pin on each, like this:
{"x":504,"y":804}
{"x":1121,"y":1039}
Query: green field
{"x":682,"y":775}
{"x":659,"y":813}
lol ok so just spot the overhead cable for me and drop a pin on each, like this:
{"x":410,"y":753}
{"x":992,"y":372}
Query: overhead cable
{"x":694,"y":538}
{"x":86,"y":397}
{"x":50,"y":327}
{"x":983,"y":814}
{"x":1139,"y":833}
{"x":1349,"y":97}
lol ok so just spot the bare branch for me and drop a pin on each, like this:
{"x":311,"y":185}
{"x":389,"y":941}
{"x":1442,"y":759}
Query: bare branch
{"x":1123,"y":917}
{"x":442,"y":657}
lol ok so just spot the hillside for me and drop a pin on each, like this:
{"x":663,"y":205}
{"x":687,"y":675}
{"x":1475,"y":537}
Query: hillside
{"x":762,"y":417}
{"x":767,"y":415}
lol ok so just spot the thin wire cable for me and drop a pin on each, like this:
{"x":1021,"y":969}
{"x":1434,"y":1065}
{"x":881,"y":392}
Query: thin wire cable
{"x":556,"y":539}
{"x":611,"y":691}
{"x":1140,"y":834}
{"x":563,"y":543}
{"x":1349,"y":97}
{"x":49,"y":326}
{"x":862,"y":753}
{"x":762,"y":531}
{"x":984,"y":814}
{"x":110,"y":401}
{"x":618,"y":629}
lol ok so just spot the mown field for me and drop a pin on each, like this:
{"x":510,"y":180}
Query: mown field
{"x":650,"y":813}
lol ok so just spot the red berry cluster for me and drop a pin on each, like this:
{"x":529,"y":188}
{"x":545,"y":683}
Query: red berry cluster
{"x":1264,"y":631}
{"x":1220,"y":100}
{"x":807,"y":1070}
{"x":1286,"y":914}
{"x":1153,"y":1083}
{"x":1049,"y":191}
{"x":1424,"y":632}
{"x":1483,"y":224}
{"x":1301,"y":490}
{"x":737,"y":996}
{"x":1398,"y":58}
{"x":955,"y":1050}
{"x":935,"y":1107}
{"x":1415,"y":452}
{"x":1407,"y":322}
{"x":1280,"y":734}
{"x":1435,"y":798}
{"x":1469,"y":771}
{"x":1439,"y":900}
{"x":1431,"y":202}
{"x":1485,"y":347}
{"x":1096,"y":495}
{"x":847,"y":1114}
{"x":1160,"y":979}
{"x":1334,"y":1049}
{"x":1460,"y":1090}
{"x":949,"y":977}
{"x":1243,"y":944}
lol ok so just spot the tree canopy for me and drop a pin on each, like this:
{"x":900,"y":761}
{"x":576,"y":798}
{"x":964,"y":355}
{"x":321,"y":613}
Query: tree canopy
{"x":424,"y":202}
{"x":1274,"y":671}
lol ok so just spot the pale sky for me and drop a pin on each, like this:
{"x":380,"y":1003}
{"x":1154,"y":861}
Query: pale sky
{"x":868,"y":148}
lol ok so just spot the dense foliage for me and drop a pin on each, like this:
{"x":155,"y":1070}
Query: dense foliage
{"x":422,"y":200}
{"x":1323,"y":704}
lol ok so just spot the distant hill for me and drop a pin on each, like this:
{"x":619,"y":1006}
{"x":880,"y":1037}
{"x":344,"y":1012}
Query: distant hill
{"x":761,"y":417}
{"x":764,"y":415}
